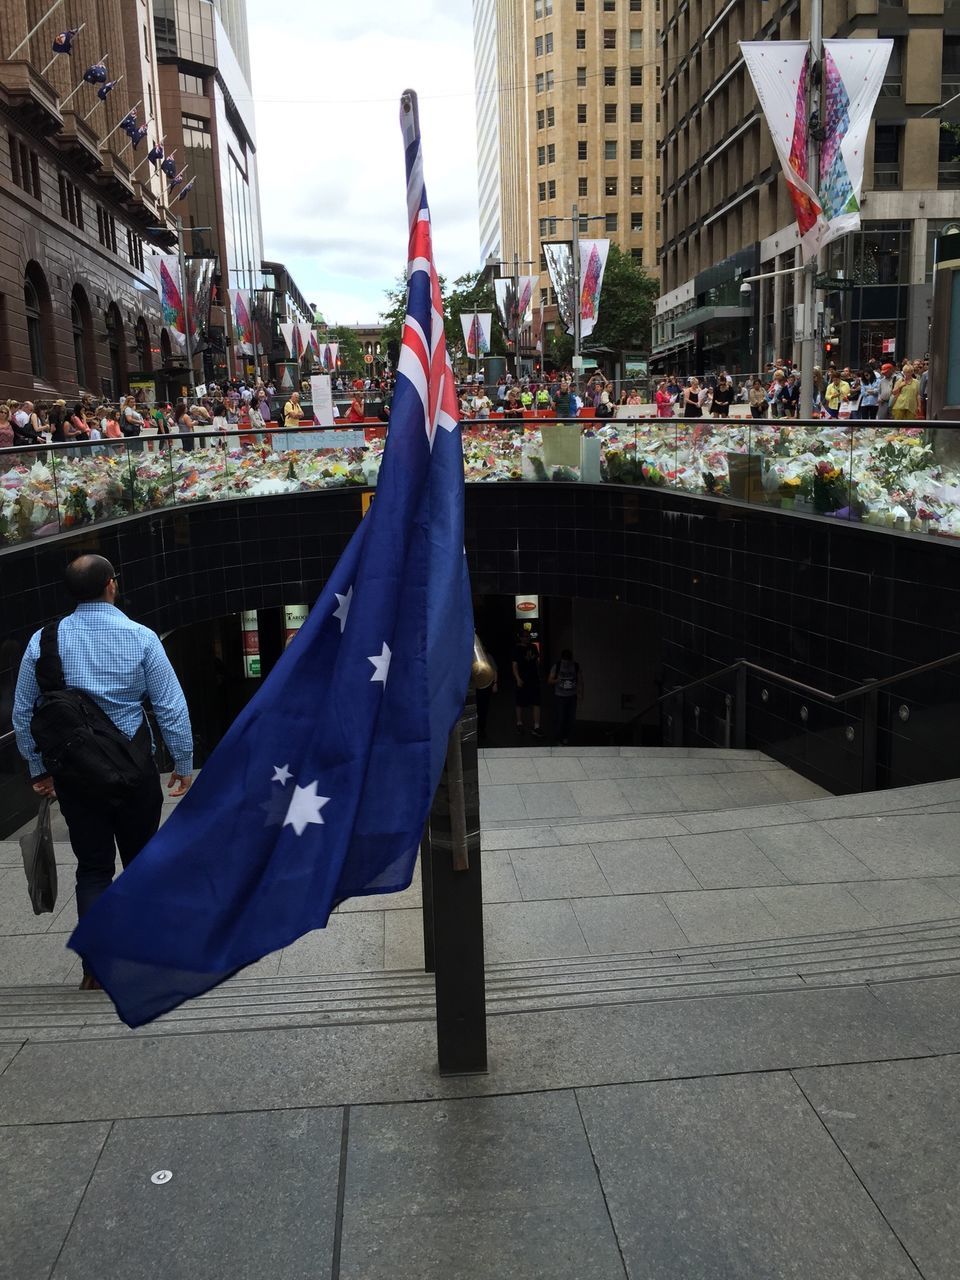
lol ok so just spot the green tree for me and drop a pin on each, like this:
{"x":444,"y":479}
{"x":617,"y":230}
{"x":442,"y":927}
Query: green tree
{"x":350,"y":354}
{"x":469,"y":292}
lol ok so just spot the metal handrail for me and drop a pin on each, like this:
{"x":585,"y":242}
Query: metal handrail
{"x":745,"y":664}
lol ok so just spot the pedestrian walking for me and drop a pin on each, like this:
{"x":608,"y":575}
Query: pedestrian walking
{"x":526,"y":676}
{"x":566,"y":679}
{"x":114,"y":663}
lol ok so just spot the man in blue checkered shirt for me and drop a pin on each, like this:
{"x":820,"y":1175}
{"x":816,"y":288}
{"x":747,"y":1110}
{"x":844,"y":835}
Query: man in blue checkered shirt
{"x":119,"y":663}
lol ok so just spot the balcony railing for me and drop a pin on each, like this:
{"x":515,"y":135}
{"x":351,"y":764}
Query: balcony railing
{"x":883,"y":475}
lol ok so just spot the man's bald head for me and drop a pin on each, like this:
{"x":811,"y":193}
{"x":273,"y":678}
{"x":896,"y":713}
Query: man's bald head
{"x":89,"y":577}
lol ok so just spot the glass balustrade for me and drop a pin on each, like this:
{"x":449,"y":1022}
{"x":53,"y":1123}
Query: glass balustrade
{"x":892,"y":475}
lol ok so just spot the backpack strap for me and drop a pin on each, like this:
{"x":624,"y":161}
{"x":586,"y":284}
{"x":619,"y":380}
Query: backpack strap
{"x":49,"y":668}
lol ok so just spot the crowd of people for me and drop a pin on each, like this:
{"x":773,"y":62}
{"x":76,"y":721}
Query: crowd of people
{"x":877,"y":391}
{"x":555,"y":391}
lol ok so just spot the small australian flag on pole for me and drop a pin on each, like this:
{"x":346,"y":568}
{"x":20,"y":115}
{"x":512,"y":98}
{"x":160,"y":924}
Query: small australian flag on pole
{"x":321,"y":788}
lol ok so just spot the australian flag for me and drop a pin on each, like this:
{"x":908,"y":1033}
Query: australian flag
{"x":63,"y":41}
{"x":186,"y":190}
{"x":138,"y":135}
{"x":321,"y":788}
{"x":155,"y":154}
{"x":106,"y":89}
{"x":97,"y":74}
{"x":129,"y":123}
{"x":169,"y":167}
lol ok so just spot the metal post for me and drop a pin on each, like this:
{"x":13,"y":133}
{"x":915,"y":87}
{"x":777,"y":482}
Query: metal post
{"x":33,"y":30}
{"x":740,"y":710}
{"x":516,"y":314}
{"x":426,"y":885}
{"x":188,"y":337}
{"x":456,"y":905}
{"x":808,"y":346}
{"x":577,"y":361}
{"x":868,"y":747}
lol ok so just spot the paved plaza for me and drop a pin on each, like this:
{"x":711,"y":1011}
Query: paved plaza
{"x":724,"y":1038}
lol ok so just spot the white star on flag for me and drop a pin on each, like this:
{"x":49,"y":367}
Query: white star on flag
{"x":381,"y":664}
{"x":305,"y":806}
{"x":343,"y":607}
{"x":281,"y":773}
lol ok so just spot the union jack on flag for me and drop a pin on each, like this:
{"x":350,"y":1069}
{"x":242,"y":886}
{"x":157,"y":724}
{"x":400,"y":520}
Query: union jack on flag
{"x":423,"y":352}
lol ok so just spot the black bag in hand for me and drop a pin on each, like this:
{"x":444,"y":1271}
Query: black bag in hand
{"x":40,"y":862}
{"x":79,"y":743}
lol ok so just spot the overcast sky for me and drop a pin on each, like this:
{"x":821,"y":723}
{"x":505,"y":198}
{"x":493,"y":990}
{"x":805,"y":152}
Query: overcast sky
{"x":327,"y":79}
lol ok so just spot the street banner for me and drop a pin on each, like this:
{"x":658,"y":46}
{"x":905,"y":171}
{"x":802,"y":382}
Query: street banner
{"x":559,"y":256}
{"x":514,"y":300}
{"x":593,"y":262}
{"x":315,"y":346}
{"x":853,"y":72}
{"x":242,"y":322}
{"x":328,"y":356}
{"x":476,"y":332}
{"x":305,"y":331}
{"x":199,"y":289}
{"x":291,"y":336}
{"x":779,"y":69}
{"x":167,"y":285}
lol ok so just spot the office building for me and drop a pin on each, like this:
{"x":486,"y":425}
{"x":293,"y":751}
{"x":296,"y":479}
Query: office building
{"x":568,"y":108}
{"x":725,"y":206}
{"x":204,"y":68}
{"x":77,"y":310}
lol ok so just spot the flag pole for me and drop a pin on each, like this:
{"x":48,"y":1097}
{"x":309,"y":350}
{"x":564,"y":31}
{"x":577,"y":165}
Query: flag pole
{"x":73,"y":92}
{"x":100,"y":101}
{"x":57,"y":55}
{"x":808,"y":344}
{"x":33,"y":30}
{"x":146,"y":157}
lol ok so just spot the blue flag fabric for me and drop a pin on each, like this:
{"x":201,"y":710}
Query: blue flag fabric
{"x":321,"y":788}
{"x":106,"y":89}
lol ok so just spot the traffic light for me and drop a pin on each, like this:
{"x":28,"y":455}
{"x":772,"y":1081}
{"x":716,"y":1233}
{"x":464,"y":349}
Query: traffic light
{"x":830,"y":347}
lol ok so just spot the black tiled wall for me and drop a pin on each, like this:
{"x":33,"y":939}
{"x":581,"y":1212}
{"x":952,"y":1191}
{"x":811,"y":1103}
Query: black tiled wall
{"x":829,"y":604}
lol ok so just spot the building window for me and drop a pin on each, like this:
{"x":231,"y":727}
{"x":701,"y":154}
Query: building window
{"x":580,"y":6}
{"x":548,"y":42}
{"x":543,"y":292}
{"x":948,"y":164}
{"x":581,"y":150}
{"x":610,"y":186}
{"x":610,"y":76}
{"x":552,"y":189}
{"x":541,"y":155}
{"x":541,"y":191}
{"x":24,"y":167}
{"x":657,"y":70}
{"x":76,"y":321}
{"x":106,"y":229}
{"x":636,"y":222}
{"x":636,"y":149}
{"x":610,"y":37}
{"x":539,"y":82}
{"x":35,"y":326}
{"x":892,"y":86}
{"x":581,"y":77}
{"x":134,"y":250}
{"x":950,"y":71}
{"x":609,"y":6}
{"x":581,"y":113}
{"x":636,"y":6}
{"x":538,"y":47}
{"x":609,"y":113}
{"x":540,"y":118}
{"x":636,"y":186}
{"x":636,"y":77}
{"x":636,"y":38}
{"x":192,"y":84}
{"x":551,"y":117}
{"x":583,"y":186}
{"x":658,"y":222}
{"x":637,"y":255}
{"x":610,"y":149}
{"x":549,"y":79}
{"x":548,"y":227}
{"x":610,"y":222}
{"x":551,"y":152}
{"x":71,"y":202}
{"x":196,"y":132}
{"x":886,"y":156}
{"x":581,"y":39}
{"x":636,"y":113}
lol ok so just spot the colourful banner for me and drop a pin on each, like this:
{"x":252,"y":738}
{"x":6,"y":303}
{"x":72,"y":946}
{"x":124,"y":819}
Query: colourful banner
{"x":778,"y":69}
{"x":593,"y":262}
{"x":199,"y":289}
{"x":476,"y":327}
{"x":559,"y":256}
{"x":328,"y":356}
{"x":305,"y":332}
{"x":242,"y":321}
{"x":293,"y":337}
{"x":514,"y":300}
{"x":853,"y":72}
{"x":165,"y":272}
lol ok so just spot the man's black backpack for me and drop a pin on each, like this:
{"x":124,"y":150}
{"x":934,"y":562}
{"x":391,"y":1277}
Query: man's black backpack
{"x":79,"y":743}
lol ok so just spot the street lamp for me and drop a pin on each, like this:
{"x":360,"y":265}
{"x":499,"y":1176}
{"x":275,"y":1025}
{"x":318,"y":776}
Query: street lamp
{"x":187,"y":336}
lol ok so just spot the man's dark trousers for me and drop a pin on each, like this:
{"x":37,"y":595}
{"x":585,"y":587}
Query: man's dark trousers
{"x":98,"y":829}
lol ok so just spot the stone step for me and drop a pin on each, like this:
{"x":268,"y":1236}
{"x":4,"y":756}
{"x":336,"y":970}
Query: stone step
{"x":855,"y":958}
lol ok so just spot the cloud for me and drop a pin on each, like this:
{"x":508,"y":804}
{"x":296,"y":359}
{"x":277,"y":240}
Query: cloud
{"x":329,"y":151}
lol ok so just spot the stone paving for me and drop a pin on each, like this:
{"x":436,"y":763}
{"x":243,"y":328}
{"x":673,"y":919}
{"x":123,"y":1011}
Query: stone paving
{"x":724,"y":1043}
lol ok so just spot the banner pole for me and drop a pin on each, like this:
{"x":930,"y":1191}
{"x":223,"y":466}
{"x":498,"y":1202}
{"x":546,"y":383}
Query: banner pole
{"x":808,"y":345}
{"x":577,"y":362}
